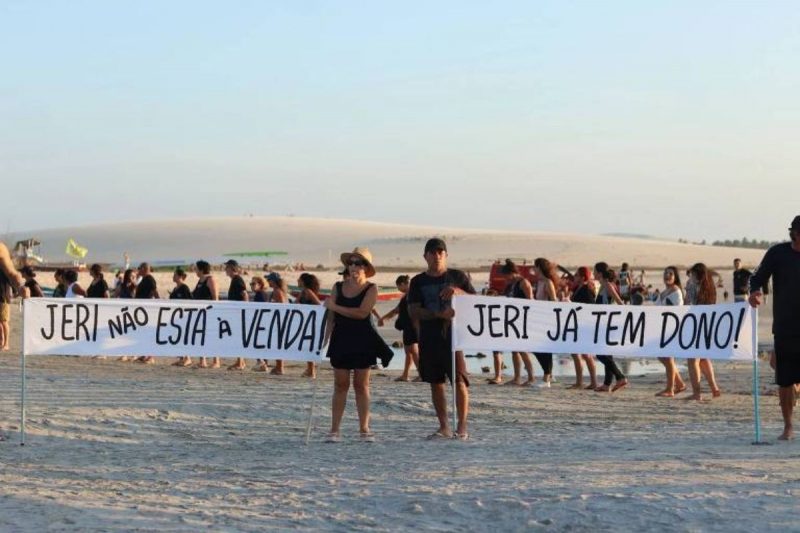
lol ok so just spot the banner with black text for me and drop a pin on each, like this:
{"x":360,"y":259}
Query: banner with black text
{"x":722,"y":331}
{"x":84,"y":326}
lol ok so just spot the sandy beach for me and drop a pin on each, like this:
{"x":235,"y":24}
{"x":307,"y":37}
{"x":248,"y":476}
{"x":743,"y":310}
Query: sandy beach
{"x":122,"y":446}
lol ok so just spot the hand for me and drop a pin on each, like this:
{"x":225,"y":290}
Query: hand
{"x":755,"y":298}
{"x":447,"y":293}
{"x":447,"y":314}
{"x":330,"y":304}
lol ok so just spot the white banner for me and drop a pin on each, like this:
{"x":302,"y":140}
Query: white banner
{"x":723,"y":331}
{"x":58,"y":326}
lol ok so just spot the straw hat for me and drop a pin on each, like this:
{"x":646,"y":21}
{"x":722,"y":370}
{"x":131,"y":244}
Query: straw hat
{"x":362,"y":253}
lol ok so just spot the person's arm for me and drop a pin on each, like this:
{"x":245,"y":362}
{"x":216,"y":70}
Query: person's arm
{"x":7,"y":266}
{"x":77,"y":289}
{"x":760,"y":277}
{"x":105,"y":290}
{"x":527,"y":289}
{"x":361,"y":312}
{"x":212,"y":288}
{"x":391,"y":314}
{"x":550,"y":290}
{"x":612,"y":292}
{"x":329,"y":322}
{"x":311,"y":295}
{"x":245,"y":294}
{"x":36,"y":292}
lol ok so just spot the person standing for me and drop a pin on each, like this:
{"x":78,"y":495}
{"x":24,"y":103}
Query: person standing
{"x":309,"y":295}
{"x":517,"y":287}
{"x":355,"y":345}
{"x":545,"y":290}
{"x":584,"y":293}
{"x":279,"y":295}
{"x":741,"y":281}
{"x":782,"y":263}
{"x":237,"y":292}
{"x":608,"y":295}
{"x":10,"y":281}
{"x":705,"y":294}
{"x":181,"y":292}
{"x":34,"y":289}
{"x":671,"y":295}
{"x":430,"y":305}
{"x":60,"y":290}
{"x":146,"y":289}
{"x":404,"y":325}
{"x":206,"y":289}
{"x":98,"y":288}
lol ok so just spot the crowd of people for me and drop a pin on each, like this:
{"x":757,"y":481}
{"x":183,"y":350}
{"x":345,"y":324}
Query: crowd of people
{"x":424,"y":313}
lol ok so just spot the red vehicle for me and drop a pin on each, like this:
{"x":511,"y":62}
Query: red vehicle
{"x":497,"y":281}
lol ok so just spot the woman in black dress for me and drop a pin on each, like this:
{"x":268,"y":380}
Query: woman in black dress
{"x":98,"y":288}
{"x":181,"y":292}
{"x":206,"y":289}
{"x":309,"y":295}
{"x":584,"y":293}
{"x":355,"y":345}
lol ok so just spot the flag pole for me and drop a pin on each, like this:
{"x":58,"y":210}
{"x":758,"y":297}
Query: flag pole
{"x":23,"y":387}
{"x":756,"y":378}
{"x":311,"y":407}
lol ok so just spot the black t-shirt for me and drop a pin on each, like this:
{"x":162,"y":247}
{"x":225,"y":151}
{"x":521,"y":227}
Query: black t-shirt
{"x":97,"y":290}
{"x":5,"y":288}
{"x":583,"y":295}
{"x":181,"y":292}
{"x":237,"y":289}
{"x":424,"y":290}
{"x":782,"y":264}
{"x":741,"y":281}
{"x":146,"y":288}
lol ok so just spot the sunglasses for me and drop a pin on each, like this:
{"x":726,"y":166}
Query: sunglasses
{"x":356,"y":263}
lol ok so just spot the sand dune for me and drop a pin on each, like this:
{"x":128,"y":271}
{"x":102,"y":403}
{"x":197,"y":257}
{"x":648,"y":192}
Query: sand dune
{"x":317,"y":240}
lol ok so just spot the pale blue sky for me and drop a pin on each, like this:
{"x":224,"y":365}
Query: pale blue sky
{"x":677,"y":119}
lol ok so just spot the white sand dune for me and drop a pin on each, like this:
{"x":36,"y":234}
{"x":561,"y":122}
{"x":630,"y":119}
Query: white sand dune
{"x":317,"y":240}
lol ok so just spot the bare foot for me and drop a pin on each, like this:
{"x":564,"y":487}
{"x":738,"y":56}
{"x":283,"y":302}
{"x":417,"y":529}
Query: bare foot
{"x":416,"y":380}
{"x":401,"y":378}
{"x":680,"y":388}
{"x":237,"y":366}
{"x":716,"y":393}
{"x":124,"y":359}
{"x":576,"y":386}
{"x":203,"y":363}
{"x":695,"y":397}
{"x":216,"y":363}
{"x":312,"y":375}
{"x":495,"y":381}
{"x":516,"y":382}
{"x":276,"y":372}
{"x":788,"y":434}
{"x":262,"y":367}
{"x":602,"y":388}
{"x":187,"y":361}
{"x":592,"y":386}
{"x":529,"y":383}
{"x":666,"y":393}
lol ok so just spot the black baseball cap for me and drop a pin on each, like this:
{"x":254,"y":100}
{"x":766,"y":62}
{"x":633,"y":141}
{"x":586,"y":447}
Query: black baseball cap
{"x":435,"y":244}
{"x":795,"y":224}
{"x":233,"y":263}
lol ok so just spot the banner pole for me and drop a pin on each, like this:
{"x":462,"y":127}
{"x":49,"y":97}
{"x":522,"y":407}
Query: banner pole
{"x":756,"y":379}
{"x":23,"y":387}
{"x":311,"y":407}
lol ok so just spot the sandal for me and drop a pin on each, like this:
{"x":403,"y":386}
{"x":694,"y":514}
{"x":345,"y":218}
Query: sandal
{"x":368,"y":437}
{"x":461,"y":436}
{"x":438,"y":436}
{"x":333,"y":437}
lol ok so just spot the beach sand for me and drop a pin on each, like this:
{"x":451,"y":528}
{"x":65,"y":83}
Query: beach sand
{"x":122,"y":446}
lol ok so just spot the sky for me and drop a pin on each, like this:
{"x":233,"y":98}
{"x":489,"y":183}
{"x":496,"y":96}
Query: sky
{"x":675,"y":119}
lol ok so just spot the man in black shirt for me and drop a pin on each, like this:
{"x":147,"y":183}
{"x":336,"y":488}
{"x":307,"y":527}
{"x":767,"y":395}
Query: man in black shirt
{"x":782,"y":264}
{"x":237,"y":292}
{"x":429,"y":304}
{"x":741,"y":281}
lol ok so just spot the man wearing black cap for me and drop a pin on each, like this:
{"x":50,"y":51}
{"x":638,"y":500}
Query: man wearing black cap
{"x":429,"y":304}
{"x":782,"y":264}
{"x":237,"y":292}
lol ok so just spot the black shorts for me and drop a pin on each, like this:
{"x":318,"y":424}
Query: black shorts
{"x":787,"y":361}
{"x":436,"y":361}
{"x":409,"y":337}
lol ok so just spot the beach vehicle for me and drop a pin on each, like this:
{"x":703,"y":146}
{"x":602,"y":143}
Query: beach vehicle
{"x":497,"y":280}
